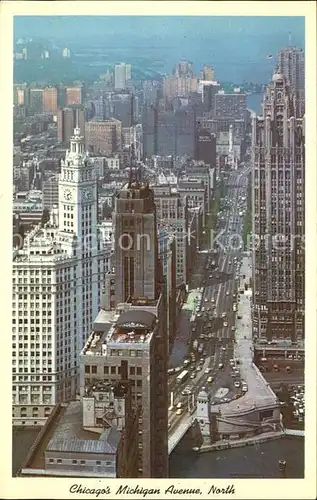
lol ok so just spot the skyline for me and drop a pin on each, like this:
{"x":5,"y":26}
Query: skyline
{"x":226,"y":45}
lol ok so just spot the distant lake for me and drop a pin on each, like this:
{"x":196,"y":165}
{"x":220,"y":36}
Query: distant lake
{"x":254,"y":102}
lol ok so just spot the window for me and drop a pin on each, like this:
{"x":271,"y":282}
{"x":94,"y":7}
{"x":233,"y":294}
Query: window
{"x":59,"y":460}
{"x":98,"y":462}
{"x":94,"y":369}
{"x":51,"y":460}
{"x":139,"y":370}
{"x":74,"y":461}
{"x":83,"y":461}
{"x":113,"y":370}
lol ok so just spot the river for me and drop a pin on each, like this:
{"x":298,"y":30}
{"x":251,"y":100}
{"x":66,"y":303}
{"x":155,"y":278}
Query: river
{"x":255,"y":461}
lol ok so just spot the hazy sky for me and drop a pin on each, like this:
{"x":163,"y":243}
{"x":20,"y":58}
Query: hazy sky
{"x":234,"y":45}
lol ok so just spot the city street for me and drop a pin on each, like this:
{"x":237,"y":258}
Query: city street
{"x":213,"y":328}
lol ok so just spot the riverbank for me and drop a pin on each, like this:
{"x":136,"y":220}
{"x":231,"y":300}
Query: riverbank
{"x":240,"y":443}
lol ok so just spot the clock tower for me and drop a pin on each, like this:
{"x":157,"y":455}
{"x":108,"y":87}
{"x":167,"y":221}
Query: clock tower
{"x":79,"y":238}
{"x":77,"y":192}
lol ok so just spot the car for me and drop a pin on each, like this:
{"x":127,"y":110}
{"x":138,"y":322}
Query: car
{"x":227,"y":293}
{"x":239,"y":317}
{"x":225,"y":323}
{"x":223,"y":348}
{"x":210,"y":380}
{"x":224,"y":315}
{"x":179,"y":411}
{"x":244,"y":388}
{"x":208,"y":370}
{"x":220,"y":366}
{"x":206,"y":300}
{"x":233,"y":328}
{"x":179,"y":405}
{"x":237,"y":384}
{"x":192,"y":376}
{"x":198,"y":369}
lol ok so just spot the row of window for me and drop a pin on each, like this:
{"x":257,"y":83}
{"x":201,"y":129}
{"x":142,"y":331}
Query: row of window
{"x":113,"y":370}
{"x":79,"y":462}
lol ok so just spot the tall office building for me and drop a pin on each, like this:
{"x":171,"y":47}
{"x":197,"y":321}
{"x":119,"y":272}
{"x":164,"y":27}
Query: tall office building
{"x":56,"y":293}
{"x":184,"y":68}
{"x":136,"y":261}
{"x":74,"y":96}
{"x":278,"y":216}
{"x":36,"y":101}
{"x":207,"y":73}
{"x":232,"y":106}
{"x":172,"y":211}
{"x":291,"y":63}
{"x":101,"y":136}
{"x":50,"y":100}
{"x":136,"y":332}
{"x":122,"y":75}
{"x":67,"y":120}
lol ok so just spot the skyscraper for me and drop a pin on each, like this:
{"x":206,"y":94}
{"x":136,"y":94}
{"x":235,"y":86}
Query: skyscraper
{"x":56,"y":293}
{"x":74,"y":96}
{"x":50,"y":100}
{"x":122,"y":74}
{"x":136,"y":242}
{"x":67,"y":120}
{"x":291,"y":63}
{"x":278,"y":216}
{"x":136,"y":332}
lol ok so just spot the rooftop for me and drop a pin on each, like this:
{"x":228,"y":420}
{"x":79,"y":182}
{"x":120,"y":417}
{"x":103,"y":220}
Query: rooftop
{"x":134,"y":326}
{"x":69,"y":435}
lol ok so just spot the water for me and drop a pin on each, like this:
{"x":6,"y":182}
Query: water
{"x":254,"y":102}
{"x":260,"y":460}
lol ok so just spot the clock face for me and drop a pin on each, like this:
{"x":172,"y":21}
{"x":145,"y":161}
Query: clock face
{"x":87,"y":194}
{"x":67,"y":194}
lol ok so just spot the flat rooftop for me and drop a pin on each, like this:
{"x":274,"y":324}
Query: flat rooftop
{"x":134,"y":326}
{"x":65,"y":433}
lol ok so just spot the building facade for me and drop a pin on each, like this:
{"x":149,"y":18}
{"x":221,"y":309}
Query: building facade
{"x":291,"y":63}
{"x":56,"y":294}
{"x":278,"y":182}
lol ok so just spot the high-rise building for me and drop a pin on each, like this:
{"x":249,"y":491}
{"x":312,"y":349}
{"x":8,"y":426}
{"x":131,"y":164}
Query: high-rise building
{"x":136,"y":261}
{"x":67,"y":120}
{"x":278,"y":182}
{"x":209,"y":91}
{"x":50,"y":192}
{"x":184,"y":68}
{"x":136,"y":332}
{"x":123,"y":108}
{"x":291,"y":63}
{"x":101,"y":136}
{"x":179,"y":86}
{"x":207,"y":73}
{"x":122,"y":74}
{"x":233,"y":106}
{"x":74,"y":96}
{"x":205,"y":147}
{"x":56,"y":293}
{"x":50,"y":100}
{"x":36,"y":101}
{"x":172,"y":212}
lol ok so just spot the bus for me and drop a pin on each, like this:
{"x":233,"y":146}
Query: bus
{"x":182,"y":376}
